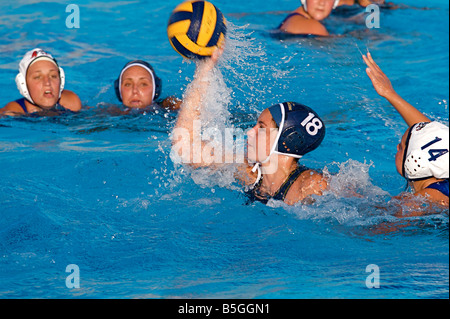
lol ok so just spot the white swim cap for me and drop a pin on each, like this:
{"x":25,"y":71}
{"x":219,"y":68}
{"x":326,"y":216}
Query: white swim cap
{"x":426,"y":152}
{"x":29,"y":59}
{"x":336,"y":3}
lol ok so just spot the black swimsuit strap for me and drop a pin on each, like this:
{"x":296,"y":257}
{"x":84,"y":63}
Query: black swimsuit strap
{"x":282,"y":191}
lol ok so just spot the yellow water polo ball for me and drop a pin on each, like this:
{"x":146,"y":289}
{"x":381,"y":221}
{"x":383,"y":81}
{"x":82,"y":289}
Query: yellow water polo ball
{"x":196,"y":28}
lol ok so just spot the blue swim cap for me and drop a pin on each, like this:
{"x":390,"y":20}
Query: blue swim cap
{"x":300,"y":129}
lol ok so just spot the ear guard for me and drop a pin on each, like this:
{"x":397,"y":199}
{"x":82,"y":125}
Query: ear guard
{"x":292,"y":141}
{"x":157,"y":83}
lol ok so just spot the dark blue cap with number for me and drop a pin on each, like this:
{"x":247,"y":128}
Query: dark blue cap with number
{"x":302,"y":130}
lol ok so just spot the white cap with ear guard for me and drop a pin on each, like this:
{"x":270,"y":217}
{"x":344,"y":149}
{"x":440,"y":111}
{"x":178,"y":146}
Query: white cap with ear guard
{"x":336,"y":3}
{"x":29,"y":59}
{"x":427,"y":152}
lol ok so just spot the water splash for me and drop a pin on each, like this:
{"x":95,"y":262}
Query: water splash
{"x":351,"y":199}
{"x":351,"y":179}
{"x":242,"y":53}
{"x":236,"y":66}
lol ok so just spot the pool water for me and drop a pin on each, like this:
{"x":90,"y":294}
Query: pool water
{"x":102,"y":192}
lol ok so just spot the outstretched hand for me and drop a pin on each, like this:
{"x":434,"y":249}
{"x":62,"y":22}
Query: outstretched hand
{"x":208,"y":64}
{"x":384,"y":88}
{"x":217,"y":54}
{"x":380,"y":81}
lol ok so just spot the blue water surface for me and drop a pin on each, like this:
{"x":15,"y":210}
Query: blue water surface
{"x":102,"y":192}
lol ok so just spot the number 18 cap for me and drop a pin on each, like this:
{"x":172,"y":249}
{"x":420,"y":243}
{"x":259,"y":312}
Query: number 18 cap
{"x":426,"y":153}
{"x":300,"y":129}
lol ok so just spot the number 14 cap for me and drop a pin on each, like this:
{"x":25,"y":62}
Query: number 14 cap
{"x":426,"y":152}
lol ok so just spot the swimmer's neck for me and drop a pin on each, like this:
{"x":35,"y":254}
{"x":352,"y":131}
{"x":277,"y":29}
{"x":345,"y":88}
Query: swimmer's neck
{"x":272,"y":181}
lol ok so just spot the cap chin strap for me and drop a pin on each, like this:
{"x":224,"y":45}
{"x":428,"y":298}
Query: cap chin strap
{"x":257,"y":166}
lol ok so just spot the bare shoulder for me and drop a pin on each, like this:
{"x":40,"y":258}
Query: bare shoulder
{"x":172,"y":103}
{"x":434,"y":196}
{"x":12,"y":108}
{"x":298,"y":24}
{"x":308,"y":183}
{"x":413,"y":204}
{"x":70,"y":101}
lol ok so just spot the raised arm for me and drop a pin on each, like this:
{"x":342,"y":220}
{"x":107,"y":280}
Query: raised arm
{"x":186,"y":137}
{"x":384,"y":88}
